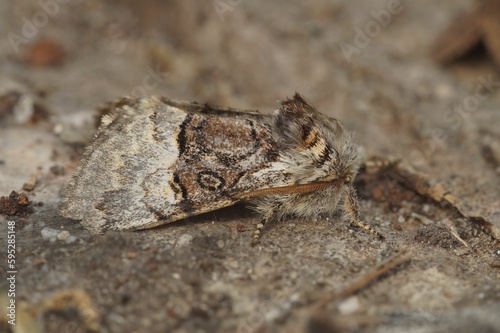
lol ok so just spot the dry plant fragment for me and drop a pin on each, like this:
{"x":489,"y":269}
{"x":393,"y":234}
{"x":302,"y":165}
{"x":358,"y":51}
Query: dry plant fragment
{"x":467,"y":31}
{"x":420,"y":183}
{"x":392,"y":262}
{"x":16,"y":204}
{"x":30,"y":183}
{"x":75,"y":299}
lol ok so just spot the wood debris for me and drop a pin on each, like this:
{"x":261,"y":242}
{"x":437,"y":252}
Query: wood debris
{"x":467,"y":31}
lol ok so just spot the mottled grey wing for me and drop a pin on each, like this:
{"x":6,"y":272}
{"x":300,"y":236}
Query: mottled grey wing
{"x":155,"y":161}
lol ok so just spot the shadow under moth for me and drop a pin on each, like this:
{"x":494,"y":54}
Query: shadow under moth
{"x":154,"y":161}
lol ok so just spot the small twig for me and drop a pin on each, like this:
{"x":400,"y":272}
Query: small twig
{"x":405,"y":174}
{"x":31,"y":316}
{"x":422,"y":219}
{"x":394,"y":261}
{"x":454,"y":232}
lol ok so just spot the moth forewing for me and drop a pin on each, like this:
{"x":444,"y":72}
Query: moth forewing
{"x":154,"y":161}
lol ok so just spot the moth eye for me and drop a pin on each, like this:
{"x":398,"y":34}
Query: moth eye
{"x":347,"y":179}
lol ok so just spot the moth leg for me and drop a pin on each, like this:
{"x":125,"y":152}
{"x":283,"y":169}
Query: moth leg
{"x":380,"y":164}
{"x":351,"y":209}
{"x":260,"y":227}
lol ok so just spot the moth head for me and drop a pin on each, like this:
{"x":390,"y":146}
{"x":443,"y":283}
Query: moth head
{"x":317,"y":146}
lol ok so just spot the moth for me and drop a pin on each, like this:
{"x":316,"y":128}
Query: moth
{"x":155,"y":161}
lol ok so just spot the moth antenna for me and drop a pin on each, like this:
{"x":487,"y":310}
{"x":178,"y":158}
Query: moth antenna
{"x":351,"y":209}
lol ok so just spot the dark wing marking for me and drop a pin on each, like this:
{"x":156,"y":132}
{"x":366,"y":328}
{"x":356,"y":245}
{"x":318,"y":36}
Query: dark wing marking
{"x":155,"y":161}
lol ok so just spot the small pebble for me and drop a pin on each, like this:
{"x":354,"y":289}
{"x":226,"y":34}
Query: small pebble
{"x":63,"y":235}
{"x":461,"y":251}
{"x":176,"y":276}
{"x":70,"y":239}
{"x":30,"y":183}
{"x":220,"y":243}
{"x":401,"y":219}
{"x":349,"y":306}
{"x":426,"y":208}
{"x":184,"y":239}
{"x":50,"y":234}
{"x":57,"y":170}
{"x":232,"y":264}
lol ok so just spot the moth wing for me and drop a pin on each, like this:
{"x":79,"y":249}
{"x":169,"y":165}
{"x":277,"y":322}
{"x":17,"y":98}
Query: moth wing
{"x":155,"y":161}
